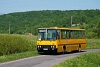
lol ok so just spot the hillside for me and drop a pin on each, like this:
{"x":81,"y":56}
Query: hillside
{"x":26,"y":22}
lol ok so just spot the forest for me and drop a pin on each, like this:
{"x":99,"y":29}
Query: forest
{"x":30,"y":21}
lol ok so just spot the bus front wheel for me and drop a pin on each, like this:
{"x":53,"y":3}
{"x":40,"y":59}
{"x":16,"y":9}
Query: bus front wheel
{"x":64,"y":49}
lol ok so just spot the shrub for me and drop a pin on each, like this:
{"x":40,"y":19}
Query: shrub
{"x":15,"y":44}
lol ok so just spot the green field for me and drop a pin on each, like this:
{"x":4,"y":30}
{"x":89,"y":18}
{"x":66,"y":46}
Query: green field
{"x":86,"y":60}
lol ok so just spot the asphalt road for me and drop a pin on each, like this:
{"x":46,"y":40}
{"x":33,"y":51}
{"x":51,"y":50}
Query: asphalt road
{"x":44,"y":60}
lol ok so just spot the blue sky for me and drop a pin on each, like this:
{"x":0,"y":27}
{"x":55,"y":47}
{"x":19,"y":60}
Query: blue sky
{"x":9,"y":6}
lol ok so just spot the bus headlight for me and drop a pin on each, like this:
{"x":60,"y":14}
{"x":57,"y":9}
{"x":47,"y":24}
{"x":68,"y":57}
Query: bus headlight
{"x":52,"y":46}
{"x":39,"y":46}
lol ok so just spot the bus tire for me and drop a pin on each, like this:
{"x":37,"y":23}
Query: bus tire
{"x":64,"y":49}
{"x":79,"y":48}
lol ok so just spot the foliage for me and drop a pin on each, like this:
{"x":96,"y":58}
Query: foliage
{"x":93,"y":43}
{"x":29,"y":22}
{"x":14,"y":44}
{"x":87,"y":60}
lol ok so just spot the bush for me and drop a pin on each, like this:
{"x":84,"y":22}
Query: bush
{"x":15,"y":44}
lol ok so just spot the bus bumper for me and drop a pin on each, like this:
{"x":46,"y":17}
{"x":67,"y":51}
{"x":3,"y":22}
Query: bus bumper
{"x":46,"y":48}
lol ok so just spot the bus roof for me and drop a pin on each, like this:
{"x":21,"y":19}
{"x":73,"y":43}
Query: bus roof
{"x":61,"y":28}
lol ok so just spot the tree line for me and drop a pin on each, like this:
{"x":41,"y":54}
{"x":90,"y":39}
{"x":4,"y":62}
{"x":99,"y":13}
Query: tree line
{"x":29,"y":22}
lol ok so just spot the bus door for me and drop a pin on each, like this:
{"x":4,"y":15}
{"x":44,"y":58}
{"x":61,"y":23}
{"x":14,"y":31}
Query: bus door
{"x":59,"y":46}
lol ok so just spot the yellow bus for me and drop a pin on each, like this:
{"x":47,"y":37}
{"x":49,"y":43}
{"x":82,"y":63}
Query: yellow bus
{"x":57,"y":40}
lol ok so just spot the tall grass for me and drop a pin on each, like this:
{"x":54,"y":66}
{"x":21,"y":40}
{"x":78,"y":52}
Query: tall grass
{"x":86,"y":60}
{"x":93,"y":43}
{"x":16,"y":56}
{"x":15,"y":44}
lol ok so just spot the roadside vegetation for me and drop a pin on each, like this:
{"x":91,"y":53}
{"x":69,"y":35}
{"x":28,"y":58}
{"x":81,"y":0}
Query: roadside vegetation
{"x":13,"y":47}
{"x":86,"y":60}
{"x":93,"y":43}
{"x":10,"y":44}
{"x":11,"y":57}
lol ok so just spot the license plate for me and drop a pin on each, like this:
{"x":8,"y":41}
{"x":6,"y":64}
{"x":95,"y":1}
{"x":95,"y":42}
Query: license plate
{"x":45,"y":49}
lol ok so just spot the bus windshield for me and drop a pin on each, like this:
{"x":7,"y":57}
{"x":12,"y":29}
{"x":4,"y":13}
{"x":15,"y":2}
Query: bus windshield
{"x":47,"y":34}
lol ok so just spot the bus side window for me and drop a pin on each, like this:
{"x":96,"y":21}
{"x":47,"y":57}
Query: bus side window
{"x":80,"y":34}
{"x":63,"y":34}
{"x":71,"y":34}
{"x":67,"y":34}
{"x":83,"y":33}
{"x":58,"y":34}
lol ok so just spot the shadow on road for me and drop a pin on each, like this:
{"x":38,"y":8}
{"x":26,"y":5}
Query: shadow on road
{"x":50,"y":53}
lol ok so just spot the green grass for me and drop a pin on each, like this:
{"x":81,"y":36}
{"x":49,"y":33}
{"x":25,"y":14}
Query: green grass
{"x":11,"y":57}
{"x":93,"y":43}
{"x":86,"y":60}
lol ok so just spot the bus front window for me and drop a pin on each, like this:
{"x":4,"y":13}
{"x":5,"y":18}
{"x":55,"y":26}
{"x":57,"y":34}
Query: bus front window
{"x":51,"y":35}
{"x":42,"y":35}
{"x":47,"y":34}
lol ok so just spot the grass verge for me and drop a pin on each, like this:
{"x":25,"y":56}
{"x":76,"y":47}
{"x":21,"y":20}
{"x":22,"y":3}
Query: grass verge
{"x":11,"y":57}
{"x":86,"y":60}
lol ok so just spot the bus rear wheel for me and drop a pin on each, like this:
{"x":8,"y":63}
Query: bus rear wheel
{"x":79,"y":48}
